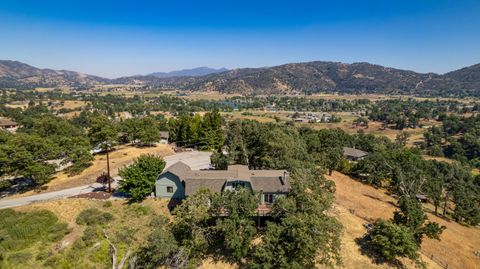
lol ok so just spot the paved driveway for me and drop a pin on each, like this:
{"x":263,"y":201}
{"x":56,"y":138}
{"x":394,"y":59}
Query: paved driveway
{"x":195,"y":159}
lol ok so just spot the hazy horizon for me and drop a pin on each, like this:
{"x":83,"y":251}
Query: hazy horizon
{"x":113,"y":39}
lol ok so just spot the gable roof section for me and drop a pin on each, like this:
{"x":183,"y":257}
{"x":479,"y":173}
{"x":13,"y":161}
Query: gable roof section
{"x":270,"y":184}
{"x":180,"y":169}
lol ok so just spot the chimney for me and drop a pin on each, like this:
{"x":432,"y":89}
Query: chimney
{"x":283,"y":179}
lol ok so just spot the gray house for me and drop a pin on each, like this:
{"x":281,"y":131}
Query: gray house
{"x":179,"y":181}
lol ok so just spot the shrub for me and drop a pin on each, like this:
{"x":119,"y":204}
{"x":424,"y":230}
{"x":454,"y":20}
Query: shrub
{"x":90,"y":235}
{"x":19,"y":230}
{"x":19,"y":258}
{"x":107,"y":204}
{"x":5,"y":184}
{"x":139,"y":210}
{"x":93,"y":216}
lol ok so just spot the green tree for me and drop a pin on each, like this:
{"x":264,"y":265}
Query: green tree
{"x":237,"y":228}
{"x":401,"y":139}
{"x":193,"y":222}
{"x":160,"y":246}
{"x":412,"y":216}
{"x":139,"y":178}
{"x":103,"y":131}
{"x":142,"y":130}
{"x":303,"y":235}
{"x":392,"y":241}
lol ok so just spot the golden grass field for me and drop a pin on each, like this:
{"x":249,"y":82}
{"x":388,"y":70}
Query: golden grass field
{"x":358,"y":203}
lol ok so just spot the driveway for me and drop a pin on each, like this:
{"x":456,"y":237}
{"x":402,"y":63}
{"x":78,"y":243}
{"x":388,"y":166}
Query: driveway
{"x":195,"y":159}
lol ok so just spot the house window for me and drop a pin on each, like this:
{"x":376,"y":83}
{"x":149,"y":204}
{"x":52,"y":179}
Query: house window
{"x":238,"y":184}
{"x":268,"y":198}
{"x":169,"y":189}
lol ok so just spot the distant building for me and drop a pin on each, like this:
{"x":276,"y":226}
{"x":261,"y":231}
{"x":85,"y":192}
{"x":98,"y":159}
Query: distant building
{"x":180,"y":181}
{"x":164,"y":135}
{"x":354,"y":154}
{"x":7,"y":124}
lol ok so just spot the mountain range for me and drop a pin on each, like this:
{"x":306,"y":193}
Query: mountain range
{"x":306,"y":77}
{"x":194,"y":72}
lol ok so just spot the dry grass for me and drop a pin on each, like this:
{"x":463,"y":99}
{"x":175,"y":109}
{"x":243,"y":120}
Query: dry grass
{"x":253,"y":115}
{"x":68,"y":104}
{"x":122,"y":156}
{"x":209,"y":95}
{"x":366,"y":203}
{"x":350,"y":252}
{"x":67,"y":211}
{"x":210,"y":263}
{"x":440,"y":159}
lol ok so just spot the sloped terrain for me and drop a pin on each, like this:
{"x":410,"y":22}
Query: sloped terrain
{"x":359,"y":203}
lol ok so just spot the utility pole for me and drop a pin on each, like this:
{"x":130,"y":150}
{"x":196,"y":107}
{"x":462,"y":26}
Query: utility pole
{"x":108,"y":172}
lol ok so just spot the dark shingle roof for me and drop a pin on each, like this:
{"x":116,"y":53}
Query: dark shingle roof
{"x":271,"y":184}
{"x":261,"y":180}
{"x":213,"y":184}
{"x":180,"y":169}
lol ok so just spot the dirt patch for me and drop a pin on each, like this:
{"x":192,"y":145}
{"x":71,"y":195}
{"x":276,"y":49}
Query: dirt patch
{"x":366,"y":203}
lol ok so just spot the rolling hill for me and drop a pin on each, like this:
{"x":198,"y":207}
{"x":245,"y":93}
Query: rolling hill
{"x":309,"y":77}
{"x":17,"y":74}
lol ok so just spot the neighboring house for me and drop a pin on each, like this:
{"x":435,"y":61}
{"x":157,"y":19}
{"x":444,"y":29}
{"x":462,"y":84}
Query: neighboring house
{"x":164,"y":137}
{"x":8,"y":124}
{"x":179,"y":181}
{"x":354,"y":154}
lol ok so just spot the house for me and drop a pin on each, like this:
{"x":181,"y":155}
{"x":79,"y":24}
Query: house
{"x":7,"y":124}
{"x":422,"y":198}
{"x":164,"y":137}
{"x":180,"y":181}
{"x":354,"y":154}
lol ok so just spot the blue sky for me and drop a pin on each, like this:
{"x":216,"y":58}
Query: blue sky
{"x":118,"y":38}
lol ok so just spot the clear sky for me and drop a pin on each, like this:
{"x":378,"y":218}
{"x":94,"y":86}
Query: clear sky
{"x":118,"y":38}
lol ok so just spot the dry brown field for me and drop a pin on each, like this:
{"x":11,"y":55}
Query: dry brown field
{"x":366,"y":204}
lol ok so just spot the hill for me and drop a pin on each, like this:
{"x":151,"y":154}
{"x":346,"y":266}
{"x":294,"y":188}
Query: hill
{"x":309,"y":77}
{"x":194,"y":72}
{"x":17,"y":74}
{"x":312,"y":77}
{"x":358,"y":203}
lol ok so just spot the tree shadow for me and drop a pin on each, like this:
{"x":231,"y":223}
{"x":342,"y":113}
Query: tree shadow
{"x":145,"y":145}
{"x":366,"y":249}
{"x":19,"y":185}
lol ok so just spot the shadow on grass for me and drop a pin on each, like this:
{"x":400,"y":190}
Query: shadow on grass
{"x":366,"y":249}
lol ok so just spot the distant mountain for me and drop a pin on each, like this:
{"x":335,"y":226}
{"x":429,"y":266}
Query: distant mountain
{"x":194,"y":72}
{"x":17,"y":74}
{"x":309,"y":77}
